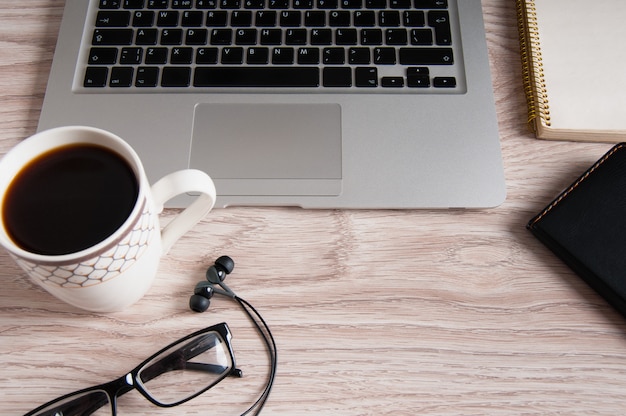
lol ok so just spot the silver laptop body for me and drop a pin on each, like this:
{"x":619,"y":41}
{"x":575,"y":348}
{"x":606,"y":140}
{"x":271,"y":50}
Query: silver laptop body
{"x":335,"y":147}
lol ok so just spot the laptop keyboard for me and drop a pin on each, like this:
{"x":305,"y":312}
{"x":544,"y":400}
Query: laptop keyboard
{"x":206,"y":45}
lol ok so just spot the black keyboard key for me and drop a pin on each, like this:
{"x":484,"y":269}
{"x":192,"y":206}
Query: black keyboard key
{"x":290,"y":18}
{"x":147,"y":37}
{"x":371,"y":37}
{"x":206,"y":4}
{"x":295,"y":37}
{"x":271,"y":36}
{"x":176,"y":77}
{"x":156,"y":56}
{"x":181,"y":56}
{"x":217,"y":18}
{"x":221,"y":36}
{"x":232,"y":56}
{"x":359,"y":56}
{"x":392,"y":82}
{"x":256,"y":77}
{"x":327,"y":4}
{"x":396,"y":37}
{"x":426,"y":56}
{"x":334,"y":56}
{"x":351,"y":4}
{"x":158,"y":4}
{"x":131,"y":56}
{"x":339,"y":18}
{"x":133,"y":4}
{"x":257,"y":56}
{"x":230,"y":4}
{"x":254,"y":4}
{"x":418,"y":81}
{"x":112,"y":37}
{"x":375,"y":4}
{"x":241,"y":18}
{"x":337,"y":77}
{"x":431,"y":4}
{"x":385,"y":56}
{"x":192,"y":19}
{"x":413,"y":18}
{"x":121,"y":77}
{"x":102,"y":56}
{"x":283,"y":56}
{"x":109,"y":4}
{"x":278,"y":4}
{"x":167,"y":18}
{"x":315,"y":18}
{"x":440,"y":20}
{"x":321,"y":37}
{"x":366,"y":77}
{"x":196,"y":37}
{"x":181,"y":4}
{"x":143,"y":18}
{"x":444,"y":82}
{"x":417,"y":70}
{"x":147,"y":76}
{"x":303,"y":4}
{"x":389,"y":18}
{"x":107,"y":18}
{"x":346,"y":37}
{"x":421,"y":37}
{"x":400,"y":4}
{"x":206,"y":56}
{"x":246,"y":37}
{"x":308,"y":56}
{"x":96,"y":76}
{"x":265,"y":18}
{"x":172,"y":37}
{"x":364,"y":18}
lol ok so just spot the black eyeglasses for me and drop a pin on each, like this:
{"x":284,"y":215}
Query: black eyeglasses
{"x":172,"y":376}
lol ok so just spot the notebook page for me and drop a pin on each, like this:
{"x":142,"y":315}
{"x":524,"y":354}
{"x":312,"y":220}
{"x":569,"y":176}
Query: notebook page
{"x":583,"y":46}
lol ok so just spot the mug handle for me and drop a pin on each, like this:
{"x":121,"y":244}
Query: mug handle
{"x":177,"y":183}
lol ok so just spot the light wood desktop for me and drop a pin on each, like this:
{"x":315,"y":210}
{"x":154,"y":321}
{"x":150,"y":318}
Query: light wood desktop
{"x":374,"y":312}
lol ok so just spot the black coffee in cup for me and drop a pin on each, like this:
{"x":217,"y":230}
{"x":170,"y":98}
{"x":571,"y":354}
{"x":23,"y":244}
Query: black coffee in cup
{"x":69,"y":199}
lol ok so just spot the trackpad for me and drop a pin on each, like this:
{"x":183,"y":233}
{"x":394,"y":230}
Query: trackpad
{"x":269,"y":149}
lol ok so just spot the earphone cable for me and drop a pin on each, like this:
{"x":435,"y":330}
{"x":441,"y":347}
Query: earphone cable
{"x":268,"y":338}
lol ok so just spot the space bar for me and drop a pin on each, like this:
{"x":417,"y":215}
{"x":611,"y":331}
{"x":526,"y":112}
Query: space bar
{"x":256,"y":77}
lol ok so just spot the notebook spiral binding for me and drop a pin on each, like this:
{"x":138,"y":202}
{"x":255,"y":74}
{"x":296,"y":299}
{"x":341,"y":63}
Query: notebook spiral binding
{"x":532,"y":65}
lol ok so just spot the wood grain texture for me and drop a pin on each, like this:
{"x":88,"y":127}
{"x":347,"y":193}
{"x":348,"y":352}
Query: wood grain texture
{"x":429,"y":312}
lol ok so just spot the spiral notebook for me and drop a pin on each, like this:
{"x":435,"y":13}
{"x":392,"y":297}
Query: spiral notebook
{"x":573,"y":56}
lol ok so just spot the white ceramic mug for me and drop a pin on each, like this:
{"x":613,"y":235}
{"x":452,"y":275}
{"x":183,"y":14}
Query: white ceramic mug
{"x":116,"y":272}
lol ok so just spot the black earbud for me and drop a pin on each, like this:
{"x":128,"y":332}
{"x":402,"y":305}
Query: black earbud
{"x":215,"y":275}
{"x":201,"y":298}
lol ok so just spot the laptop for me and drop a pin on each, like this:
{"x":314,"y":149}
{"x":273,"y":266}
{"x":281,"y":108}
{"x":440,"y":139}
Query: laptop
{"x":308,"y":103}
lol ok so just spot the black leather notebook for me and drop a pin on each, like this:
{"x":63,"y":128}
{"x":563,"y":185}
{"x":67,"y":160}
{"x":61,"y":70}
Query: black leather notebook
{"x":586,"y":226}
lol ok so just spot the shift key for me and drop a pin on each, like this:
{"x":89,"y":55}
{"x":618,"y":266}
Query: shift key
{"x":426,"y":56}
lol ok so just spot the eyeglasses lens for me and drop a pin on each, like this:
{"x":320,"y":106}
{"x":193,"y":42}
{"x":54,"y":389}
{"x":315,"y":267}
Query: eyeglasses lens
{"x":95,"y":403}
{"x":186,"y":369}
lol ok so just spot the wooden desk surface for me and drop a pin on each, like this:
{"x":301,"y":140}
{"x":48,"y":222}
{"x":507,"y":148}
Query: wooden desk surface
{"x":374,"y":312}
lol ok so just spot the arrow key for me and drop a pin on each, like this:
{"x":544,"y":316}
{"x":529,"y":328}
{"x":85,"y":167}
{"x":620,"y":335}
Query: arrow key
{"x":444,"y":82}
{"x":392,"y":82}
